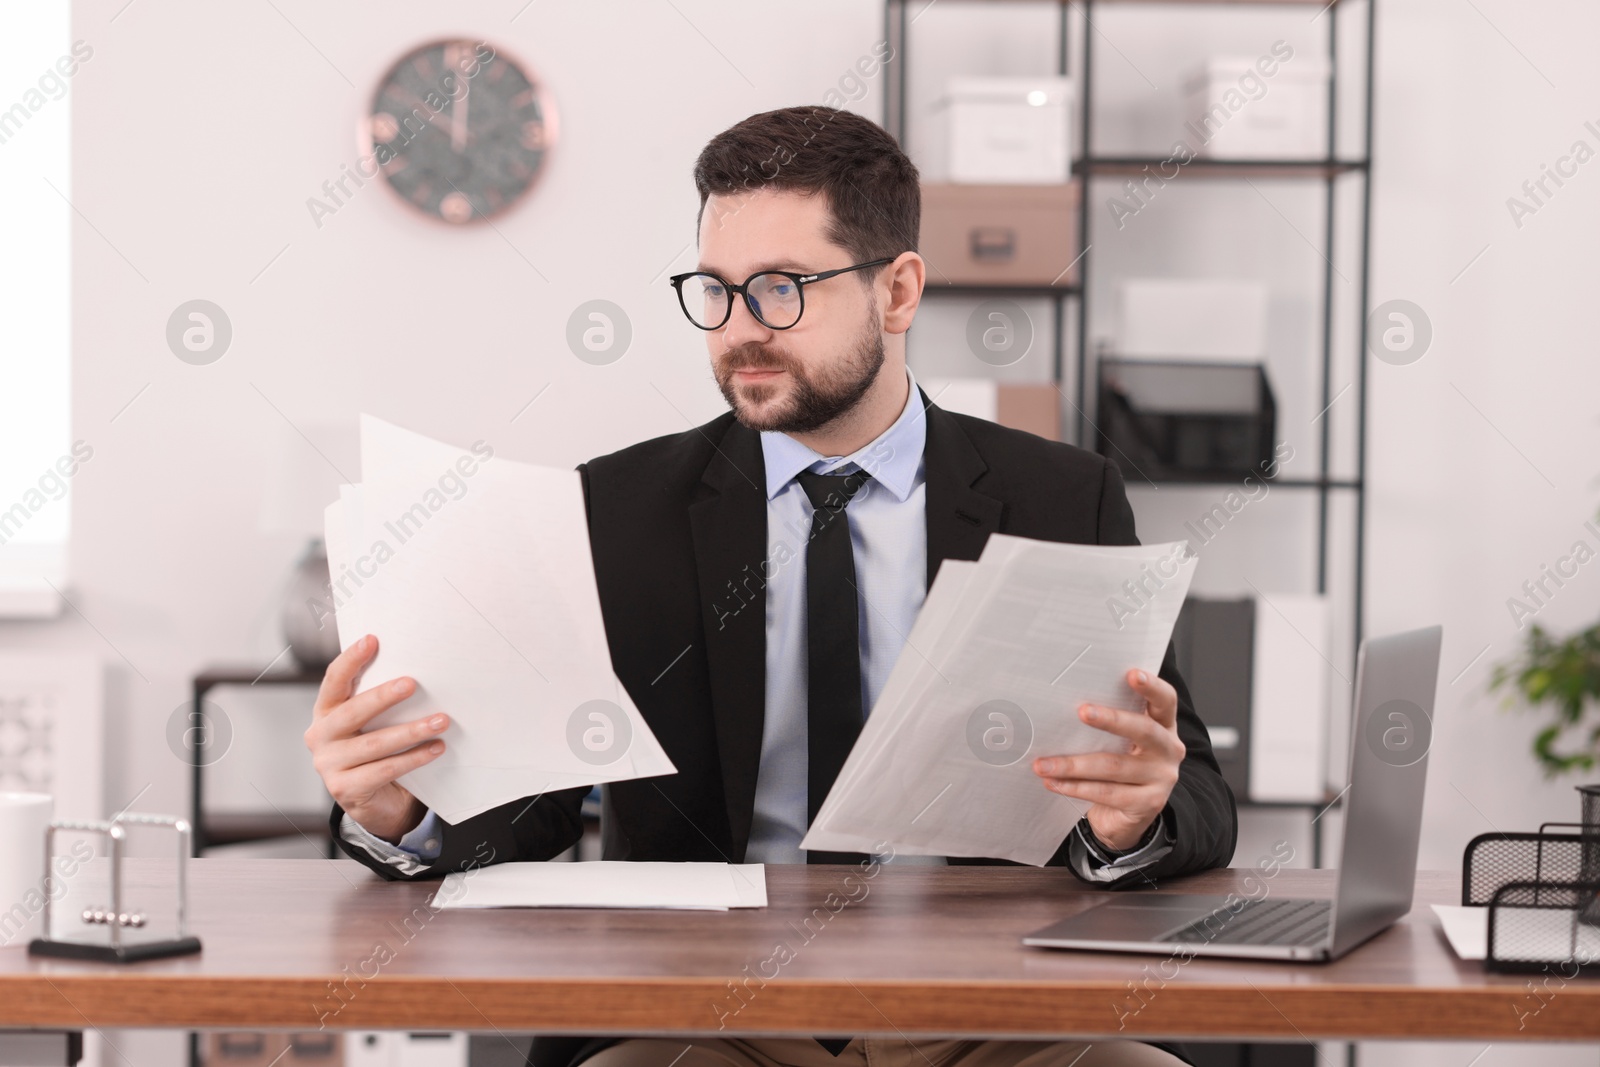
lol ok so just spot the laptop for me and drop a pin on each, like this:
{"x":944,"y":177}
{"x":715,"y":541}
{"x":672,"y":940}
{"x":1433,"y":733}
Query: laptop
{"x":1391,"y":728}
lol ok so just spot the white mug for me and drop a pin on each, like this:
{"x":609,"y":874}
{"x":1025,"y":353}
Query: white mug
{"x":24,"y":818}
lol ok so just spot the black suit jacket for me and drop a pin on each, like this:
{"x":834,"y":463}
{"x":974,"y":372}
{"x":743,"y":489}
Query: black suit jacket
{"x":678,"y":531}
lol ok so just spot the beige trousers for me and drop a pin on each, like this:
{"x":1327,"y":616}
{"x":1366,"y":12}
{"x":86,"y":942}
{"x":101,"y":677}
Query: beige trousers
{"x":873,"y":1052}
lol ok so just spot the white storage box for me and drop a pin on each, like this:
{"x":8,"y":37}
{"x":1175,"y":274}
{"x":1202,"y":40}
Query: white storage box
{"x":1003,"y":130}
{"x":1191,"y":318}
{"x":1289,"y":700}
{"x":1234,"y":111}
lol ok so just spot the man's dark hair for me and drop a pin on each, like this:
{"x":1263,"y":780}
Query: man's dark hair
{"x":872,"y":189}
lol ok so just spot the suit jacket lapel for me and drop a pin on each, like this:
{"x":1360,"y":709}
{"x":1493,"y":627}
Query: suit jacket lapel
{"x":960,"y":519}
{"x":729,"y":526}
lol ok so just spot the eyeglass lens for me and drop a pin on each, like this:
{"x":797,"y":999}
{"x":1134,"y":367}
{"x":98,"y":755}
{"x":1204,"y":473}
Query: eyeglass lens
{"x":774,"y":298}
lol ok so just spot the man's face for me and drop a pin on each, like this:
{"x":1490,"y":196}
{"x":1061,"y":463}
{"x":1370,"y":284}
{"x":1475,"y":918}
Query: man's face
{"x":803,"y":378}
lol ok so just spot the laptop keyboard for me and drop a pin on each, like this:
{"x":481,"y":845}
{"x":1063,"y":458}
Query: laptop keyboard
{"x":1261,"y":922}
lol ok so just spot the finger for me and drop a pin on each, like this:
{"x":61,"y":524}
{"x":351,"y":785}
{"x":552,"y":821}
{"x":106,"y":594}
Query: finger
{"x":348,"y":718}
{"x":1159,"y":694}
{"x":1136,"y":726}
{"x":1116,"y":795}
{"x":1100,"y":766}
{"x":339,"y":682}
{"x":368,"y":778}
{"x":346,"y":753}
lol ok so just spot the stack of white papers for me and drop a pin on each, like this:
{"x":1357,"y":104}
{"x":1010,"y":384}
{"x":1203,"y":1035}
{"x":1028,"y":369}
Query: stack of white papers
{"x":1466,"y":928}
{"x":606,"y":884}
{"x":1001,"y":655}
{"x":474,"y":572}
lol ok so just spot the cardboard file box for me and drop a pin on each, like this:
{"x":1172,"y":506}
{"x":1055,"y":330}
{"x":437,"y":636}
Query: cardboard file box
{"x":1031,"y":406}
{"x":1034,"y":408}
{"x":1000,"y":234}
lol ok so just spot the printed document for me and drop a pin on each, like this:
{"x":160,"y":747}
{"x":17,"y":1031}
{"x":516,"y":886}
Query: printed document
{"x":606,"y":884}
{"x":991,"y":676}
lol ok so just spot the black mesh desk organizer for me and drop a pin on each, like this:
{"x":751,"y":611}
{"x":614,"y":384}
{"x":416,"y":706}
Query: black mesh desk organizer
{"x":1543,"y":894}
{"x":1188,"y":420}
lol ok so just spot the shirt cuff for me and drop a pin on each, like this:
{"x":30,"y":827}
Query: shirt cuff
{"x":413,"y":855}
{"x":1093,"y":862}
{"x":424,"y":842}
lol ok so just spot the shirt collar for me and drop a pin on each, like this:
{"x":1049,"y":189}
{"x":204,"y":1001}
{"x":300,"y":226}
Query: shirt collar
{"x":892,"y":458}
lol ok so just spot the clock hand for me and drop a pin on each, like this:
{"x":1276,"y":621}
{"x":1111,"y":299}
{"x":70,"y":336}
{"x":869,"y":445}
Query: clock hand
{"x":458,"y":120}
{"x":458,"y":105}
{"x":442,"y":116}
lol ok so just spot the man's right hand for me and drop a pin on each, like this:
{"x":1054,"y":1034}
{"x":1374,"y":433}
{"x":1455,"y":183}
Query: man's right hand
{"x":359,"y":769}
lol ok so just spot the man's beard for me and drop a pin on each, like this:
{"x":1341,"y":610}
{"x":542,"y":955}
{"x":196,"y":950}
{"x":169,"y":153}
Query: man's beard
{"x":815,"y":398}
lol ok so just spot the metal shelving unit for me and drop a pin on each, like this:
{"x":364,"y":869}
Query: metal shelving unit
{"x":1089,"y":166}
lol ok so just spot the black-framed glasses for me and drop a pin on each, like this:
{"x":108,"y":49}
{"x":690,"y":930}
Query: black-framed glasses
{"x":777,"y":298}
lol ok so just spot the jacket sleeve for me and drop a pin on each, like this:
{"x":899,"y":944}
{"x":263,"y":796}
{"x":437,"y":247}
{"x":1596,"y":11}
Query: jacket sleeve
{"x":530,"y":828}
{"x":1200,"y":813}
{"x":418,"y":848}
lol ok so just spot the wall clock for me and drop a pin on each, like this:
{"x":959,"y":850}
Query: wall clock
{"x":459,"y":129}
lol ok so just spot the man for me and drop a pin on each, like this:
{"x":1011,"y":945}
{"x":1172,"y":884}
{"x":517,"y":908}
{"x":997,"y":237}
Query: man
{"x":755,"y":676}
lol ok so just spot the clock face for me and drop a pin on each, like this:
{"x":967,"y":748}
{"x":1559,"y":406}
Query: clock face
{"x":460,"y":130}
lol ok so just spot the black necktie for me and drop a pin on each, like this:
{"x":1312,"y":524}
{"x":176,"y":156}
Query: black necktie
{"x":833,"y":641}
{"x":833,"y":652}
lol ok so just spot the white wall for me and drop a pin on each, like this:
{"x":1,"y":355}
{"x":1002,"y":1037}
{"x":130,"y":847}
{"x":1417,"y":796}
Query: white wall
{"x":201,"y":129}
{"x":1486,"y":453}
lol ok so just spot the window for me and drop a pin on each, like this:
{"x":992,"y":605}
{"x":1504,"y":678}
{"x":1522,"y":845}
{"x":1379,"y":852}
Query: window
{"x":36,"y":451}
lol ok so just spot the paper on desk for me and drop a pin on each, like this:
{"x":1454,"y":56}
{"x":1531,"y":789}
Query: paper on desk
{"x":606,"y":884}
{"x":1538,"y":934}
{"x":1467,"y":929}
{"x":475,"y":573}
{"x":1002,"y":653}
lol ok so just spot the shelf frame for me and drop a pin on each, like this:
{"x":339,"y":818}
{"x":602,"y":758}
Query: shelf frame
{"x":1089,"y":167}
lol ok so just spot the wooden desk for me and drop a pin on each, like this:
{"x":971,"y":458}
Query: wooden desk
{"x":294,"y":944}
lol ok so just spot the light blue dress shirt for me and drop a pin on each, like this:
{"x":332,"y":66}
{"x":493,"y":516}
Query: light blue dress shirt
{"x":889,"y":539}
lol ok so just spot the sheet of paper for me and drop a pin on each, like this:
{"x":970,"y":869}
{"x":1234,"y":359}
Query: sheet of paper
{"x":1543,"y":934}
{"x":1001,"y":655}
{"x":475,"y":573}
{"x":1466,"y":928}
{"x":606,"y":884}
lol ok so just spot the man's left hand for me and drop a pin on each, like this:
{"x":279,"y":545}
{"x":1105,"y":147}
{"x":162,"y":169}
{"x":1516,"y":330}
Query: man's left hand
{"x":1128,"y":790}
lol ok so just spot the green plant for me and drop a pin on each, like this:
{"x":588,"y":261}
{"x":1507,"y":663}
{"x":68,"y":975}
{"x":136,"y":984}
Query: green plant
{"x":1565,"y":673}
